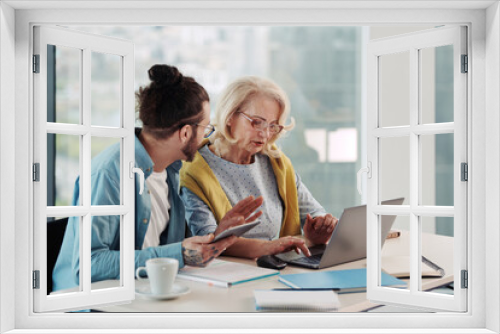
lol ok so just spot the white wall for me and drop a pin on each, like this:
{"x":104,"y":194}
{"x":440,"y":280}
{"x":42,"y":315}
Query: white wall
{"x":492,"y":163}
{"x":7,"y":171}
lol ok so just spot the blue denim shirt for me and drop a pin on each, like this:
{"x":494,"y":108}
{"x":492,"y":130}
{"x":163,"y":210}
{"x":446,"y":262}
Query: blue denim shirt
{"x":105,"y":242}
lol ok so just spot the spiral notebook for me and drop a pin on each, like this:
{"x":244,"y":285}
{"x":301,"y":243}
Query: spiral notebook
{"x":281,"y":300}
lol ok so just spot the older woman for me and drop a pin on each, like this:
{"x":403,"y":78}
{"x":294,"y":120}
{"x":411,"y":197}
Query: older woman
{"x":239,"y":160}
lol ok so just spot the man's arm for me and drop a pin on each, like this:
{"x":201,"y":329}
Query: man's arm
{"x":105,"y":237}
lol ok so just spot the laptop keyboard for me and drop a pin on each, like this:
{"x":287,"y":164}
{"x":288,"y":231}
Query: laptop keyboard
{"x":313,"y":259}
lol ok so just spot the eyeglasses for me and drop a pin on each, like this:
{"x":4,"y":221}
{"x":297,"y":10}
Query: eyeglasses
{"x":209,"y":129}
{"x":262,"y":125}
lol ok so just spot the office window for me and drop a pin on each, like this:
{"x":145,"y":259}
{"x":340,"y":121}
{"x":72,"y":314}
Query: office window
{"x":324,"y":82}
{"x":326,"y":103}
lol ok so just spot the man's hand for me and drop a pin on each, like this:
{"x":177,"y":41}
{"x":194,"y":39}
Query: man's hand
{"x":241,"y":213}
{"x":198,"y":251}
{"x":318,"y":230}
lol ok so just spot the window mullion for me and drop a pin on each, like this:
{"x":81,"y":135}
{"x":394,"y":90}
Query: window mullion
{"x":85,"y":237}
{"x":128,"y":195}
{"x":414,"y":168}
{"x":80,"y":130}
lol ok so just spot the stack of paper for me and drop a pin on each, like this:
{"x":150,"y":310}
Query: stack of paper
{"x":296,"y":300}
{"x":225,"y":273}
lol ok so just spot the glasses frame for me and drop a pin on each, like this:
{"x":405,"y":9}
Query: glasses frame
{"x":209,"y":129}
{"x":264,"y":126}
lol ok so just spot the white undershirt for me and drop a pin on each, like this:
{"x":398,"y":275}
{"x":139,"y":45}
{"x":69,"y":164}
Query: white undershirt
{"x":157,"y":185}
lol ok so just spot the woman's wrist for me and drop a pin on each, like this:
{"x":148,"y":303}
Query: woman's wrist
{"x":249,"y":248}
{"x":260,"y":247}
{"x":266,"y":248}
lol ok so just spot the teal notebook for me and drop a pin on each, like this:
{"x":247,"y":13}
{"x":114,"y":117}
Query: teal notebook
{"x":344,"y":281}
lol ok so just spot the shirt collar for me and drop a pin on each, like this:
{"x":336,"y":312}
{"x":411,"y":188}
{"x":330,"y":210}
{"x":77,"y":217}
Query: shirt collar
{"x":176,"y":165}
{"x":142,"y":158}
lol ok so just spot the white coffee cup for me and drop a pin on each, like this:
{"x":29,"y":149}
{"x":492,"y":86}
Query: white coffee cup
{"x":161,"y":273}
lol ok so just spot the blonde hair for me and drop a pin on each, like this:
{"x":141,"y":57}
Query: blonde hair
{"x":238,"y":95}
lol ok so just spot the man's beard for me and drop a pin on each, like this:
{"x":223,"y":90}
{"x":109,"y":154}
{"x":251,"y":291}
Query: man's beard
{"x":190,"y":148}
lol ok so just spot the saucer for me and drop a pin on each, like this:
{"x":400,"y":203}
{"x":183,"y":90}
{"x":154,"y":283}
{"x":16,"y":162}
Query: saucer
{"x":177,"y":290}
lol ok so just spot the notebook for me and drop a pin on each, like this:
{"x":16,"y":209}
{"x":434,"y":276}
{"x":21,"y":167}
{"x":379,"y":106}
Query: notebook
{"x":343,"y":281}
{"x":296,"y":300}
{"x":399,"y":266}
{"x":348,"y":241}
{"x":225,"y":273}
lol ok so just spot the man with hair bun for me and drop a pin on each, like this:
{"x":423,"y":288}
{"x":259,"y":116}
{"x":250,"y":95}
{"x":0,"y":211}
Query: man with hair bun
{"x":175,"y":113}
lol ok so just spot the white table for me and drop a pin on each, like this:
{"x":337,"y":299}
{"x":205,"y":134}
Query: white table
{"x":239,"y":298}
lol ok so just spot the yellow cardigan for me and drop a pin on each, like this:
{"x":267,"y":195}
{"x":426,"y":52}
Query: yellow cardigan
{"x":198,"y":177}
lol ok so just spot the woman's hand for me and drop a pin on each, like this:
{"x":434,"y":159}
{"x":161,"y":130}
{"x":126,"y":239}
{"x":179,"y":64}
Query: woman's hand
{"x":241,"y":213}
{"x":318,"y":230}
{"x":286,"y":244}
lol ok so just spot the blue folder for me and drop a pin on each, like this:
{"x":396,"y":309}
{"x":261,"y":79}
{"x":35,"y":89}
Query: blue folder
{"x":344,"y":281}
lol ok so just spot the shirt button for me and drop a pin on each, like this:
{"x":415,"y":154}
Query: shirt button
{"x":145,"y":221}
{"x":149,"y":191}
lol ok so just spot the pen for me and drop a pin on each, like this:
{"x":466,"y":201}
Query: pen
{"x":219,"y":284}
{"x":433,"y":265}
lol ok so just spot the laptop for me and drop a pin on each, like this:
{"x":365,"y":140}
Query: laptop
{"x":348,"y":241}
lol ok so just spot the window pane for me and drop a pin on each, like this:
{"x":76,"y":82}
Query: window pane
{"x":436,"y":86}
{"x":106,"y":256}
{"x":63,"y":84}
{"x":394,"y":93}
{"x":394,"y":164}
{"x":437,"y":248}
{"x":106,"y":89}
{"x":106,"y":154}
{"x":437,"y":169}
{"x":56,"y":228}
{"x":63,"y":164}
{"x":319,"y":68}
{"x":392,"y":262}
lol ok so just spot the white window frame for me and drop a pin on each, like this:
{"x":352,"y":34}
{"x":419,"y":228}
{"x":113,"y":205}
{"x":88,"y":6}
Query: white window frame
{"x":412,"y":44}
{"x":483,"y":122}
{"x":85,"y":130}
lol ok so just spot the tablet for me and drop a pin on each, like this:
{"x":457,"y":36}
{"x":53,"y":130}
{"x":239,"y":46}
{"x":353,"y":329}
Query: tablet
{"x":236,"y":230}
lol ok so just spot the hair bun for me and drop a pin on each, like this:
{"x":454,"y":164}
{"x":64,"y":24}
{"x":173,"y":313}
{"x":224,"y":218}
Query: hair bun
{"x":163,"y":75}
